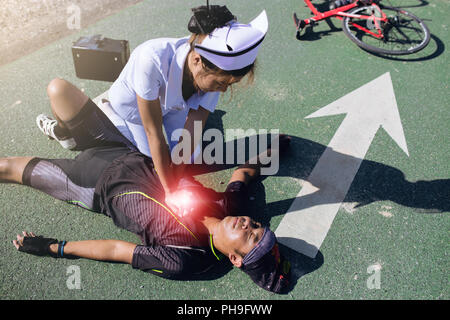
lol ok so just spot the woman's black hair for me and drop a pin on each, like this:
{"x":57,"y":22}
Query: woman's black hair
{"x":207,"y":18}
{"x":204,"y":20}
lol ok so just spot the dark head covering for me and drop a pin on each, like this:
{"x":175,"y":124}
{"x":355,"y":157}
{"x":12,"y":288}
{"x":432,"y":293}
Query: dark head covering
{"x":264,"y":245}
{"x":266,"y":267}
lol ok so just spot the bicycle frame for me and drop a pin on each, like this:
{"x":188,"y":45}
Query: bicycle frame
{"x":341,"y":12}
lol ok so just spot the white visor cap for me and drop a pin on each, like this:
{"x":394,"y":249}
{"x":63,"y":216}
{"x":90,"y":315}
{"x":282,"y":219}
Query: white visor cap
{"x":234,"y":46}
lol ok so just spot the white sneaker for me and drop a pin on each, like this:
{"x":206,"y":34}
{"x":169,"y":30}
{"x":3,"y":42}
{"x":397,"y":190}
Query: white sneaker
{"x":47,"y":126}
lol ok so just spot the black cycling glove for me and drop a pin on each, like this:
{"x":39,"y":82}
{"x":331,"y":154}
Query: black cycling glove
{"x":40,"y":246}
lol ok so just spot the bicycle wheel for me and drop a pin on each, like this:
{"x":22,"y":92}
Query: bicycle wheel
{"x":403,"y":33}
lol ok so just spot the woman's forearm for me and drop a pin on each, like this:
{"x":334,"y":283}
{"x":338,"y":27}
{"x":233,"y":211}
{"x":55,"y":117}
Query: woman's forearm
{"x":152,"y":121}
{"x":162,"y":161}
{"x":103,"y":250}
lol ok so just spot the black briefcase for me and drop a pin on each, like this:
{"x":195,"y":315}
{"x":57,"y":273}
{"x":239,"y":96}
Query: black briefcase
{"x":99,"y":58}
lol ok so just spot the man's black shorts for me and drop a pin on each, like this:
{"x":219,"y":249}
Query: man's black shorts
{"x":74,"y":180}
{"x":92,"y":128}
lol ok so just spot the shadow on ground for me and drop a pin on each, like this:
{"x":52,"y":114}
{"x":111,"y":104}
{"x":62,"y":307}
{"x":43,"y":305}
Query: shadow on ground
{"x":374,"y":182}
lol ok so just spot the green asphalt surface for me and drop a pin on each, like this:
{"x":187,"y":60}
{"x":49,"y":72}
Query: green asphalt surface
{"x":387,"y":218}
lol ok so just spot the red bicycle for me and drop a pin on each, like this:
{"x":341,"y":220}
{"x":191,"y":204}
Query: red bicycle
{"x":372,"y":26}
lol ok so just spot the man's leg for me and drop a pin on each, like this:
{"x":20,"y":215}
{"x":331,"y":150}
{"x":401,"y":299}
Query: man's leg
{"x":60,"y":178}
{"x":80,"y":119}
{"x":66,"y":101}
{"x":11,"y":169}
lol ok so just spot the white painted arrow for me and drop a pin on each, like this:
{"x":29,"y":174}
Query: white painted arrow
{"x":306,"y":224}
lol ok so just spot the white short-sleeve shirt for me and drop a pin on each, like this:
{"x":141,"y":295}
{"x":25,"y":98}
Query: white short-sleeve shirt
{"x":155,"y":70}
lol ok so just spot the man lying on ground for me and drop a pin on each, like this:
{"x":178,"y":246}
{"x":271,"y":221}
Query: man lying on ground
{"x":121,"y":183}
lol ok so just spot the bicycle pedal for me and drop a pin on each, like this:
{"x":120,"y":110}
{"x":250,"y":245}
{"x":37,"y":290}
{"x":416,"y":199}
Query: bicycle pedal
{"x":299,"y":24}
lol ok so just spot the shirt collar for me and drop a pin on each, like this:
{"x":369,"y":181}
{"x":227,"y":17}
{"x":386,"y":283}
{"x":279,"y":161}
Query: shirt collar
{"x":217,"y":254}
{"x":174,"y":95}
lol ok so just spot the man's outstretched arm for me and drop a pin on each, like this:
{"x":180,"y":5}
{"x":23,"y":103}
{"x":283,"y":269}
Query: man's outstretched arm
{"x":102,"y":250}
{"x":160,"y":260}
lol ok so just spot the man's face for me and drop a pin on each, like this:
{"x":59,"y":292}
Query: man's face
{"x":238,"y":235}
